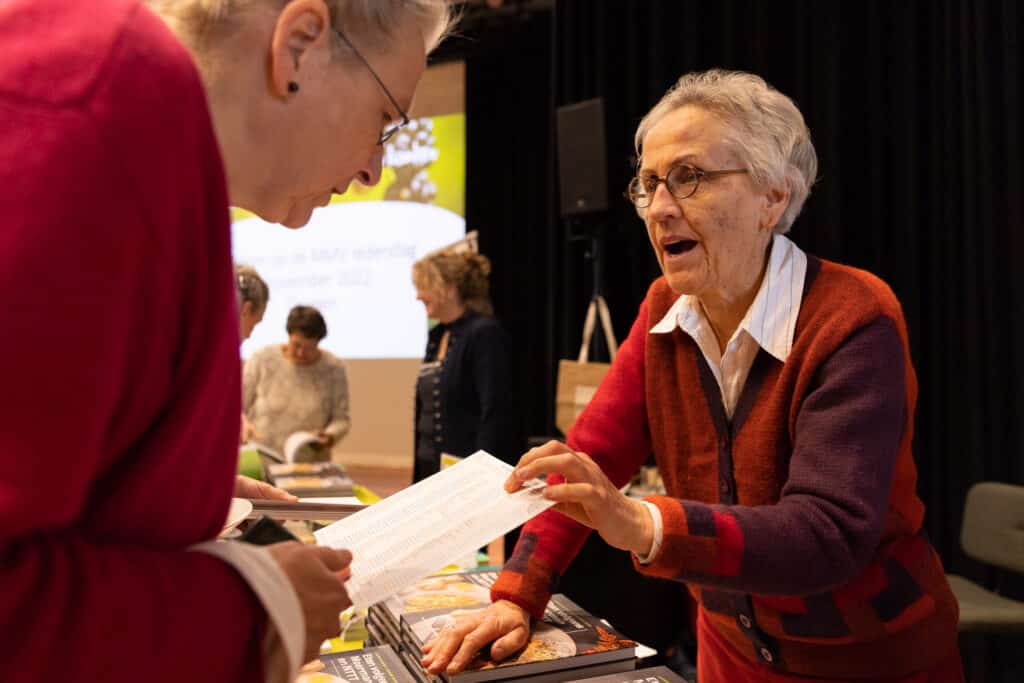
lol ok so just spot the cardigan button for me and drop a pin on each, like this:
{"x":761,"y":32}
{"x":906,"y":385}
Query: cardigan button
{"x":766,"y":655}
{"x":745,"y":621}
{"x":723,"y":486}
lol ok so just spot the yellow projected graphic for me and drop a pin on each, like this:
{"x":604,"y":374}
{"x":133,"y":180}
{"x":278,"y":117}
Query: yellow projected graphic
{"x":424,"y":163}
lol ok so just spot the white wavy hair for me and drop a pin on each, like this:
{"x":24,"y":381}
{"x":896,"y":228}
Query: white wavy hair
{"x":373,"y":21}
{"x":770,"y":134}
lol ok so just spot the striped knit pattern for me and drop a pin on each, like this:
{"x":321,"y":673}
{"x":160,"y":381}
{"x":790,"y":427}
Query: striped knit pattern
{"x":796,"y":524}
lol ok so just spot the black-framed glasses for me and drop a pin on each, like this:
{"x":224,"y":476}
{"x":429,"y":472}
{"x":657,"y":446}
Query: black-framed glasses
{"x":394,"y":126}
{"x":681,"y":180}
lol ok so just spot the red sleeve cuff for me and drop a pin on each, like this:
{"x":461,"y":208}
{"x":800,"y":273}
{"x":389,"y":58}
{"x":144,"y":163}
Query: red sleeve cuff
{"x":697,"y":540}
{"x":665,"y":564}
{"x":529,"y":591}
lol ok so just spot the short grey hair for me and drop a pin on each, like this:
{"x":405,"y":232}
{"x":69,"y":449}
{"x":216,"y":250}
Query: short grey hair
{"x":375,"y":20}
{"x":772,"y":138}
{"x":372,"y":22}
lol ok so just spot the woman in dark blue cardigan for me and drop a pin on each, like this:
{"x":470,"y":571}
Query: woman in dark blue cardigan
{"x":465,"y":398}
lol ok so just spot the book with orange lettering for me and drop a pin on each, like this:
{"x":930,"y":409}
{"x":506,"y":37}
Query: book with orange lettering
{"x":569,"y":643}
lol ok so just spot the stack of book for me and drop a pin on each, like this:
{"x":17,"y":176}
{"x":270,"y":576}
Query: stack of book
{"x":567,"y":644}
{"x":305,"y":479}
{"x":381,"y":663}
{"x":459,"y":590}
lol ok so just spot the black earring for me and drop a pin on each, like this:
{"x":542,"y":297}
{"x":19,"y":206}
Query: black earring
{"x":293,"y":86}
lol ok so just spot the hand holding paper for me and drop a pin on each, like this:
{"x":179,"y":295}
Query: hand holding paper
{"x":424,"y":527}
{"x":588,"y":496}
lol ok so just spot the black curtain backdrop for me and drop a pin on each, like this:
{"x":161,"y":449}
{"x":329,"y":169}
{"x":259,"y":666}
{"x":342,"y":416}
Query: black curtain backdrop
{"x":916,"y":112}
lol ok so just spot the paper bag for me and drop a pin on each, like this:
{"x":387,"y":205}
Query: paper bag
{"x":578,"y":379}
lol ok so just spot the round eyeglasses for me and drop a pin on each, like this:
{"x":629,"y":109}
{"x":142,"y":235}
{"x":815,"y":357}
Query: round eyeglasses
{"x":681,"y":180}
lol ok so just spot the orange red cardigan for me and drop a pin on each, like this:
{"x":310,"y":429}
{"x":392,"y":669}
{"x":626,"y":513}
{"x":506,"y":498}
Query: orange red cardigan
{"x":796,"y":524}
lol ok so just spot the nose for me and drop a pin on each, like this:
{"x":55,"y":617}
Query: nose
{"x":663,"y":205}
{"x":370,"y":174}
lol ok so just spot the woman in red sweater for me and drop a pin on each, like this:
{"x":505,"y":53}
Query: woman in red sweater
{"x":777,"y":393}
{"x":126,"y":133}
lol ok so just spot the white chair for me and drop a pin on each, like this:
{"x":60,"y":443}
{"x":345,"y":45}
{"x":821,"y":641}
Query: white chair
{"x":993,"y":533}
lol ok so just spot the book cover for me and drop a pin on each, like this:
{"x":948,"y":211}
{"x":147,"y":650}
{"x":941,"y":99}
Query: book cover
{"x":370,"y":665}
{"x":618,"y":667}
{"x":311,"y":478}
{"x":311,"y":469}
{"x":315,"y":486}
{"x":455,"y":590}
{"x":657,"y":674}
{"x":568,"y":637}
{"x":310,"y":509}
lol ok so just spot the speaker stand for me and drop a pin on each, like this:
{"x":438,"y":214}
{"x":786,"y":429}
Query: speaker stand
{"x":592,"y":229}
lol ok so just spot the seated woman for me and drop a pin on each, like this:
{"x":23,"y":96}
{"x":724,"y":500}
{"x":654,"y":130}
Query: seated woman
{"x":777,"y":392}
{"x":464,"y":396}
{"x":296,"y":387}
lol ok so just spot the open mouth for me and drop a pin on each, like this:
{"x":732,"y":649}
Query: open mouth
{"x":679,"y":247}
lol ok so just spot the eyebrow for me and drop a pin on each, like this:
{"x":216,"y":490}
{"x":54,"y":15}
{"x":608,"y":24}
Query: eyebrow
{"x":689,"y":158}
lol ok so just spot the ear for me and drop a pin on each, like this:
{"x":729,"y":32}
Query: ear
{"x":302,"y":27}
{"x":246,"y":309}
{"x":776,"y":199}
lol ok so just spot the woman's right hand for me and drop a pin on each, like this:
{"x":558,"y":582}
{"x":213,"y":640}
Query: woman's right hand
{"x":318,"y":575}
{"x":503,"y":623}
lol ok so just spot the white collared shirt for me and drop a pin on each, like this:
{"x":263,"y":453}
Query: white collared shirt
{"x":769,"y":324}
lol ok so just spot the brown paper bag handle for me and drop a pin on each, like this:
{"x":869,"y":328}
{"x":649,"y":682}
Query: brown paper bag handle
{"x":598,"y":306}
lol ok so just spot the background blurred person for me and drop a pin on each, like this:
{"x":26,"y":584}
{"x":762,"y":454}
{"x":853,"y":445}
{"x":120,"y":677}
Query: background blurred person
{"x":253,"y":296}
{"x":148,"y":126}
{"x":296,"y":387}
{"x":465,"y":398}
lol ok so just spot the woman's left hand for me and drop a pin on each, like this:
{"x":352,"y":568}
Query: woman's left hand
{"x":247,"y":487}
{"x":249,"y":432}
{"x":325,"y":438}
{"x":587,"y":496}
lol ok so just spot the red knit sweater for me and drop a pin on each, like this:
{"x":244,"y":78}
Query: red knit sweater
{"x":119,"y":380}
{"x":796,"y":524}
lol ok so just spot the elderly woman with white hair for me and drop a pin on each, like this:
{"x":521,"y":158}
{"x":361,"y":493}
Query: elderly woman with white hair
{"x":777,"y":393}
{"x":147,"y":120}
